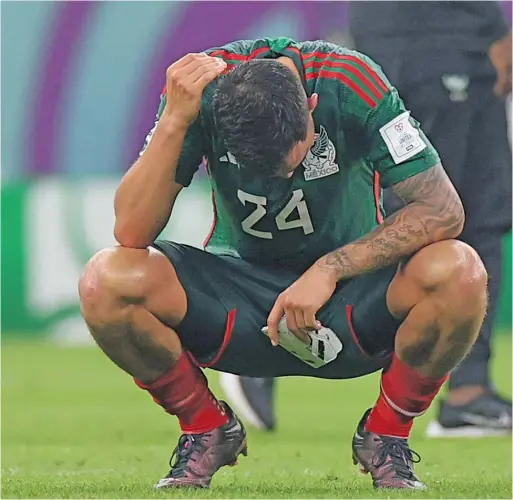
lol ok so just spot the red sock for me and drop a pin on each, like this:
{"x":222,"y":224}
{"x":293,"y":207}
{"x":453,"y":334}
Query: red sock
{"x":405,"y":394}
{"x":184,"y":392}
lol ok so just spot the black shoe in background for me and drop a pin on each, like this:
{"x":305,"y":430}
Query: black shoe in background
{"x":252,"y":398}
{"x":487,"y":415}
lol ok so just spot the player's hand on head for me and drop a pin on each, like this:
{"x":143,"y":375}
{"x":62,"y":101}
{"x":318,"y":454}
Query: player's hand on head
{"x":185,"y":81}
{"x":300,"y":303}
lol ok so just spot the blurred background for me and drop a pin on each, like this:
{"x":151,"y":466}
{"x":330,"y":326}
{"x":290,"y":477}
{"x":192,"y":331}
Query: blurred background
{"x":80,"y":88}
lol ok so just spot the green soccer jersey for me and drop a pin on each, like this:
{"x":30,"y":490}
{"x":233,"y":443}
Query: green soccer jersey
{"x":365,"y":140}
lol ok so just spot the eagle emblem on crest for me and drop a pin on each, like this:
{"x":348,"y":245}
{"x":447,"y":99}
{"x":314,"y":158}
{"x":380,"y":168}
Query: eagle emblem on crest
{"x":320,"y":160}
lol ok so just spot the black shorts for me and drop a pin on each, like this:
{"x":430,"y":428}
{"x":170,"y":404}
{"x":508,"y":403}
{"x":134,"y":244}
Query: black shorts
{"x":229,"y":299}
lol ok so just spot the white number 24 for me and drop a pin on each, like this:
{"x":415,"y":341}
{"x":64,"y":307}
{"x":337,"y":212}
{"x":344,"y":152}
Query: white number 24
{"x":304,"y":221}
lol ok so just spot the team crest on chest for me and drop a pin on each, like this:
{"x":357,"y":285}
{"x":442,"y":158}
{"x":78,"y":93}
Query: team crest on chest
{"x":320,"y":160}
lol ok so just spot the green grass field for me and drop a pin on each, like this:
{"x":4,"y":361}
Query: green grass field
{"x":74,"y":426}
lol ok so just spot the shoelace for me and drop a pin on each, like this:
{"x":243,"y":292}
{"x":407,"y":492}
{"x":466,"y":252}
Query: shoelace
{"x":182,"y":454}
{"x":400,"y":453}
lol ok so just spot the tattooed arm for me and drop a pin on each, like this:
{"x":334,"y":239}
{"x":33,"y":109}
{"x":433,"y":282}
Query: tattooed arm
{"x":433,"y":212}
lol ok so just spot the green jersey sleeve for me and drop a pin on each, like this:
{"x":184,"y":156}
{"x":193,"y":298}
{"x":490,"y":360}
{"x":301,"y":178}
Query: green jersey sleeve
{"x":382,"y":131}
{"x":192,"y":149}
{"x":397,"y":146}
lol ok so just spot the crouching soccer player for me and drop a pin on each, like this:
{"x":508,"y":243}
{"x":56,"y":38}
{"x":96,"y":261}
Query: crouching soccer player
{"x":299,"y":137}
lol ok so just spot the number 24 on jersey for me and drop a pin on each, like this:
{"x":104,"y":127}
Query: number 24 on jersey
{"x":303,"y":221}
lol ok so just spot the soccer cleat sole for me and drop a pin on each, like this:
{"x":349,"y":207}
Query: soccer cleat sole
{"x":417,"y":485}
{"x":184,"y":484}
{"x":180,"y":485}
{"x":436,"y":430}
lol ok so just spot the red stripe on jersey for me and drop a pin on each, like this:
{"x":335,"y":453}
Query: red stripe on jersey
{"x":350,"y":69}
{"x":214,"y":222}
{"x":228,"y":55}
{"x":257,"y":51}
{"x":344,"y":79}
{"x":238,"y":57}
{"x":377,"y":198}
{"x":164,"y":90}
{"x":294,"y":49}
{"x":372,"y":73}
{"x":214,"y":207}
{"x":375,"y":77}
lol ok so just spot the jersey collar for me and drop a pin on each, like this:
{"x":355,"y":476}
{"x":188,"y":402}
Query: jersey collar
{"x":285,"y":47}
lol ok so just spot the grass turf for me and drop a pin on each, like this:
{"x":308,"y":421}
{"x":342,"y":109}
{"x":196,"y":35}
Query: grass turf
{"x":74,"y":426}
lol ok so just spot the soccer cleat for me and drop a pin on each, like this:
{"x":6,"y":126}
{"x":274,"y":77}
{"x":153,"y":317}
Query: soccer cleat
{"x":487,"y":415}
{"x":198,"y":457}
{"x":388,"y":459}
{"x":252,"y":398}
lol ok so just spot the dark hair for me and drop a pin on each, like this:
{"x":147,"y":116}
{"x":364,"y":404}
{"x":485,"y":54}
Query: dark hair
{"x":260,"y":113}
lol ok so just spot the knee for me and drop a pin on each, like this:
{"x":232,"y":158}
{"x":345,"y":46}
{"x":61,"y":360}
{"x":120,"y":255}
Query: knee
{"x":111,"y":278}
{"x":453,"y":270}
{"x":118,"y":277}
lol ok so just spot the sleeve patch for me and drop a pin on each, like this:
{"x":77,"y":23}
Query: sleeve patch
{"x":402,"y":138}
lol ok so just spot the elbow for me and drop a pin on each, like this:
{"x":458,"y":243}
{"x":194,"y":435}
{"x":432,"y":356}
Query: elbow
{"x":127,"y":236}
{"x":455,"y":220}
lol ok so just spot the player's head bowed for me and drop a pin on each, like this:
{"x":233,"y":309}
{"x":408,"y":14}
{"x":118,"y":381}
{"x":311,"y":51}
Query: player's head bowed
{"x":264,"y":117}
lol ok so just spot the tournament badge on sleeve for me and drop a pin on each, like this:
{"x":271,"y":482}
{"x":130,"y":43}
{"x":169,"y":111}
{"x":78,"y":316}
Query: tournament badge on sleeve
{"x":323,"y":349}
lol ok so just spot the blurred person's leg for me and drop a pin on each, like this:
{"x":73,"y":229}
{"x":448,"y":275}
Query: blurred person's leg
{"x":469,"y":129}
{"x":252,"y":398}
{"x":486,"y":194}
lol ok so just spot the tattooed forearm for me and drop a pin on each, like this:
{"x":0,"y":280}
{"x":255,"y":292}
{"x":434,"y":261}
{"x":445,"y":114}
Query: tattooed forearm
{"x":433,"y":212}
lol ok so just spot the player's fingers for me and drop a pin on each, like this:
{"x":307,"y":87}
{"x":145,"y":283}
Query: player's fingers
{"x":188,"y":72}
{"x":300,"y":319}
{"x":199,"y":66}
{"x":208,"y":74}
{"x":301,"y":333}
{"x":291,"y":320}
{"x":191,"y":58}
{"x":272,"y":322}
{"x":190,"y":75}
{"x":182,"y":87}
{"x":303,"y":336}
{"x":302,"y":326}
{"x":309,"y":318}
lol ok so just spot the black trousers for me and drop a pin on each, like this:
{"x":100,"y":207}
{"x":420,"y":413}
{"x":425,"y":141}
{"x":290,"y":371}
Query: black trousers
{"x":469,"y":129}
